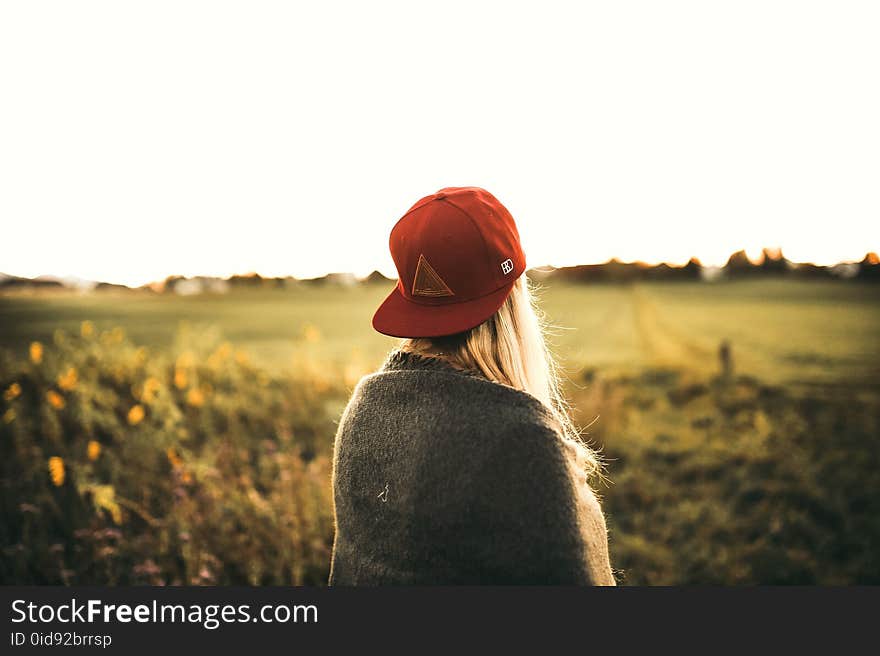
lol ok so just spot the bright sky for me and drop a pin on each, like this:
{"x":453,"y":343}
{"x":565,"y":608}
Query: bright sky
{"x":143,"y":139}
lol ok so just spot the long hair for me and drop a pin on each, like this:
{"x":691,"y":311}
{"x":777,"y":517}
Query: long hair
{"x":511,"y":348}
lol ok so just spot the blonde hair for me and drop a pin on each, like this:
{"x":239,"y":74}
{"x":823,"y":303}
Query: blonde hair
{"x":511,"y":348}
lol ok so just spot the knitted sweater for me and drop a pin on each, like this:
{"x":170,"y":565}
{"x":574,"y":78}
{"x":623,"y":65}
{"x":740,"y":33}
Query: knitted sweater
{"x":445,"y":477}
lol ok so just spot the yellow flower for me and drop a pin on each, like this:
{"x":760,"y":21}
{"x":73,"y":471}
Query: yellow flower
{"x":87,"y":329}
{"x":68,"y":381}
{"x":36,"y":352}
{"x":56,"y":471}
{"x":195,"y":397}
{"x":93,"y":450}
{"x":13,"y":391}
{"x":9,"y":416}
{"x":180,"y":379}
{"x":241,"y":357}
{"x":173,"y":458}
{"x":55,"y":399}
{"x":136,"y":414}
{"x":117,"y":335}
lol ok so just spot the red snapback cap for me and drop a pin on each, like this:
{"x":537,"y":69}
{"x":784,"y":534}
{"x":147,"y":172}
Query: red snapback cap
{"x":457,"y":253}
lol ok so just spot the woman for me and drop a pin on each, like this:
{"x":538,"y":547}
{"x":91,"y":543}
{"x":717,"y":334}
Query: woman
{"x":456,"y":462}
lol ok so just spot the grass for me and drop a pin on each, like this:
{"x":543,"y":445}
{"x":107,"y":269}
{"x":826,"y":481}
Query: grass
{"x":781,"y":331}
{"x":186,"y":440}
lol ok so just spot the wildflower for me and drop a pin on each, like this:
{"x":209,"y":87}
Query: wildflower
{"x":195,"y":397}
{"x":36,"y":352}
{"x":12,"y":392}
{"x":136,"y":414}
{"x":180,"y":379}
{"x":9,"y":416}
{"x":117,"y":335}
{"x":93,"y":450}
{"x":87,"y":329}
{"x":173,"y":458}
{"x":241,"y":357}
{"x":68,"y":380}
{"x":56,"y":471}
{"x":55,"y":399}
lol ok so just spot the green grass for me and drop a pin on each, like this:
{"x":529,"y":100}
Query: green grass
{"x":270,"y":324}
{"x":781,"y":331}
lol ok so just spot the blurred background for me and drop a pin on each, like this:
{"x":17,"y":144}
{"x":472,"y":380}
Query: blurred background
{"x":196,"y":201}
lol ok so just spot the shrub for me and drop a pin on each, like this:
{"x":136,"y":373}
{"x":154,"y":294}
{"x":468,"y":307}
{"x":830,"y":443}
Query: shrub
{"x":121,"y":465}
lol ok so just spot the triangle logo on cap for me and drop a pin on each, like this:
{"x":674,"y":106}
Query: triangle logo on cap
{"x":427,"y":282}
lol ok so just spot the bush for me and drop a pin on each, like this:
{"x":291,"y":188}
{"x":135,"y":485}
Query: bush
{"x":121,"y":465}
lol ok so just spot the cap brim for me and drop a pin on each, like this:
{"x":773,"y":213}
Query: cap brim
{"x":401,"y":317}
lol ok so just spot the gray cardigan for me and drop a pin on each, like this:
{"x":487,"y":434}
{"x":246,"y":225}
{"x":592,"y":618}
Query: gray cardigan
{"x":445,"y":477}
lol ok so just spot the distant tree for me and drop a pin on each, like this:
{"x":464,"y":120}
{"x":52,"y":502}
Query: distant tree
{"x":109,"y":286}
{"x":810,"y":270}
{"x":738,"y":265}
{"x":246,"y":280}
{"x":869,"y":268}
{"x":773,"y":261}
{"x":170,"y":283}
{"x":377,"y":277}
{"x":693,"y":270}
{"x":14,"y":282}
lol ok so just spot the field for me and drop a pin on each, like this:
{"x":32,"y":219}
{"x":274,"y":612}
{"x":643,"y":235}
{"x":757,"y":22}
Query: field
{"x":781,"y":331}
{"x":166,"y":439}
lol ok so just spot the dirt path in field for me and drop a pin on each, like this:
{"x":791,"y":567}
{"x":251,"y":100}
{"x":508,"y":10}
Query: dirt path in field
{"x":661,"y":343}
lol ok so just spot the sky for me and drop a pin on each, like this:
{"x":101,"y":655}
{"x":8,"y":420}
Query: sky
{"x":139,"y":140}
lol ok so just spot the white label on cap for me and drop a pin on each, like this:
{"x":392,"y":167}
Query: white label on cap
{"x":507,"y":266}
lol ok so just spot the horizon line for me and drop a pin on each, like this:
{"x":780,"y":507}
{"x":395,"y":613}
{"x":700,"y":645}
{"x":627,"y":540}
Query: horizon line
{"x":774,"y":253}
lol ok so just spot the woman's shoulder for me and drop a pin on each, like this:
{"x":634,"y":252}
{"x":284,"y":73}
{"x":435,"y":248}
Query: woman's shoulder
{"x":456,"y":417}
{"x":407,"y":381}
